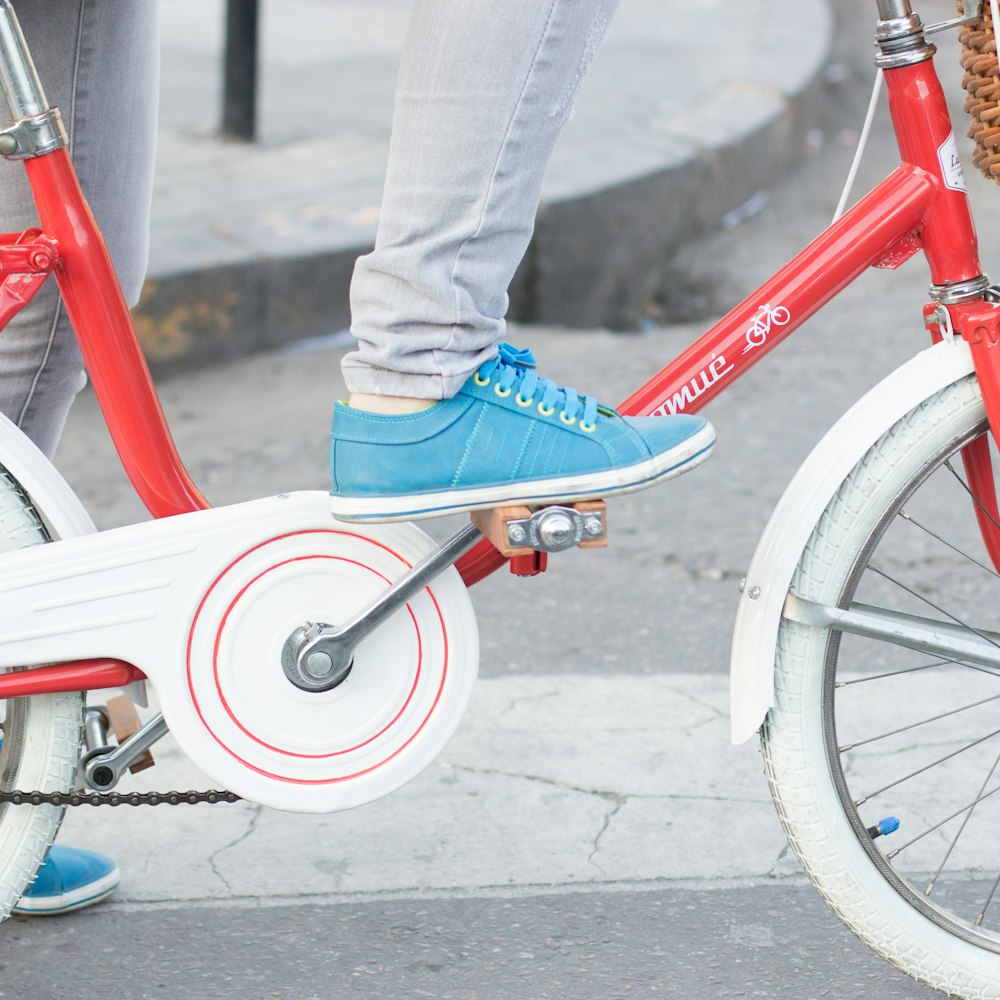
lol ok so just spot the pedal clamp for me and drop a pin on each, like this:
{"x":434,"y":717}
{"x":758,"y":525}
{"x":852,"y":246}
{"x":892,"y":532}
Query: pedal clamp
{"x":519,"y":531}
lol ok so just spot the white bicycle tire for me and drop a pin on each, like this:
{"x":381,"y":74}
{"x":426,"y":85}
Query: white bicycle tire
{"x":41,"y":744}
{"x":799,"y":731}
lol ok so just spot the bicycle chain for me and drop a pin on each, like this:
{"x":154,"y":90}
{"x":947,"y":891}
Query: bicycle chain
{"x":191,"y":798}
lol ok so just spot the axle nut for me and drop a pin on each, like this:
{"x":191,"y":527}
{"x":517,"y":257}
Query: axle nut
{"x":319,"y":664}
{"x":557,"y":531}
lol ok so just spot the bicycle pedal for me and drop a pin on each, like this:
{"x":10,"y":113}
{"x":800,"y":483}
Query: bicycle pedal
{"x":520,"y":531}
{"x":125,"y":722}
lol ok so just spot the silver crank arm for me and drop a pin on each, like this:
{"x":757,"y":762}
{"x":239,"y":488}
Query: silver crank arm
{"x":103,"y":768}
{"x":318,"y":657}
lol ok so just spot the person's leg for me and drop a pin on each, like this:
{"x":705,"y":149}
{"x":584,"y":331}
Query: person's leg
{"x":483,"y":92}
{"x":99,"y":63}
{"x":484,"y":89}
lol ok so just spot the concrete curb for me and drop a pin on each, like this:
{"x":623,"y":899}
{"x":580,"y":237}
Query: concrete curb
{"x":634,"y":177}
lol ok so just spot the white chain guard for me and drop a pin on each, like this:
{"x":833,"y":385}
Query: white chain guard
{"x":203,"y":604}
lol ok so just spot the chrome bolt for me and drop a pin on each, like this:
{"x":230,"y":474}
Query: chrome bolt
{"x":312,"y":629}
{"x":753,"y":593}
{"x":592,"y":526}
{"x":556,"y":531}
{"x":319,"y":664}
{"x":743,"y":584}
{"x":516,"y":533}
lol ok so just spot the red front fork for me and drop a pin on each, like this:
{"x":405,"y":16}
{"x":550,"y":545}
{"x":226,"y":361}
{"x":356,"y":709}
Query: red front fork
{"x":979,"y":324}
{"x":948,"y":237}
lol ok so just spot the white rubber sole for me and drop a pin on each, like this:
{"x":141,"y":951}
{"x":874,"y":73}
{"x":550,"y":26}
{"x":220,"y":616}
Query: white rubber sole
{"x":66,"y":902}
{"x":559,"y":489}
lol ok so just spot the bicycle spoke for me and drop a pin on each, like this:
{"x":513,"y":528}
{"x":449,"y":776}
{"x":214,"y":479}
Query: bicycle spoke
{"x":989,"y":899}
{"x":961,"y":830}
{"x":937,"y":826}
{"x":926,"y":767}
{"x":916,"y":725}
{"x":965,"y":486}
{"x":946,"y":661}
{"x":944,"y":541}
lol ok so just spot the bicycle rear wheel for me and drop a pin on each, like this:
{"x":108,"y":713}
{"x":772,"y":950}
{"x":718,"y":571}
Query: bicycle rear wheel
{"x":41,"y":735}
{"x":864,"y":729}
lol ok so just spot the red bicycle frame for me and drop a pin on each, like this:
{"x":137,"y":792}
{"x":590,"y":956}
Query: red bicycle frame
{"x":914,"y":208}
{"x":920,"y":206}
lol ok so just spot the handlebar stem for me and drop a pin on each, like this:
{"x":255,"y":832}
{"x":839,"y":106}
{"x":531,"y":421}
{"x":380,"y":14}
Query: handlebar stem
{"x":889,"y":10}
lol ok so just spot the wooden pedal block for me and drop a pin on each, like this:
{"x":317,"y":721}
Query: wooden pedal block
{"x":493,"y":523}
{"x":594,"y":507}
{"x":125,"y":722}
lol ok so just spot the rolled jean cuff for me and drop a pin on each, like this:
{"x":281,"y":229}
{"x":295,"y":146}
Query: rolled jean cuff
{"x":384,"y":382}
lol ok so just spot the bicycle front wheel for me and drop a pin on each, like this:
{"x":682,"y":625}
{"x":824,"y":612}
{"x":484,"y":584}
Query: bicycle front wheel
{"x":41,"y":735}
{"x":866,"y":732}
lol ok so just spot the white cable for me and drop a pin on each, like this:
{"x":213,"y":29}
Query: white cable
{"x":862,"y":142}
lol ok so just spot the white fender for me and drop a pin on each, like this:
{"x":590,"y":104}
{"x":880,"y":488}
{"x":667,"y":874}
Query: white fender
{"x":58,"y":505}
{"x":798,"y":510}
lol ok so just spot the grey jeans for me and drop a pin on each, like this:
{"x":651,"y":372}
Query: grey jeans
{"x":98,"y":61}
{"x":484,"y":88}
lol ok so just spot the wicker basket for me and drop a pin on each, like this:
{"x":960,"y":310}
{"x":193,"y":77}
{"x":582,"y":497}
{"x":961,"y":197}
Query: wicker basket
{"x":982,"y":85}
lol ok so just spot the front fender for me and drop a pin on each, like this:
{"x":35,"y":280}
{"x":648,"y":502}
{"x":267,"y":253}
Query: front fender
{"x":799,"y":509}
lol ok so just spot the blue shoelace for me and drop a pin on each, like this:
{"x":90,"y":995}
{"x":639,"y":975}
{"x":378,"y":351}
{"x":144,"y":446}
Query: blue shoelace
{"x":514,"y":367}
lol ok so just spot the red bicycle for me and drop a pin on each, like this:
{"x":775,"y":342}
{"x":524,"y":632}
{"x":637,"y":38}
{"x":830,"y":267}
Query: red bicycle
{"x":867,"y":646}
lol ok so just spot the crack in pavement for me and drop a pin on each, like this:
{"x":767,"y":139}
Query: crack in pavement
{"x":616,"y":807}
{"x":514,"y":702}
{"x":554,"y":782}
{"x":256,"y":811}
{"x":721,"y":713}
{"x":782,"y":855}
{"x":615,"y":799}
{"x":601,"y":793}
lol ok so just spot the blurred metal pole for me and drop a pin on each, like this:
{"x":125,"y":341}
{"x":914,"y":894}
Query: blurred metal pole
{"x":239,"y":91}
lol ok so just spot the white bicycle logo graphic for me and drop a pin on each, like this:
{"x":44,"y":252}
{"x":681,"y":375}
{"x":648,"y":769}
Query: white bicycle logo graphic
{"x":765,"y":320}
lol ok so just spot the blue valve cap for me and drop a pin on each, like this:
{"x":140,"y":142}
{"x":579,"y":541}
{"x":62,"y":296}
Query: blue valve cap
{"x":884,"y":827}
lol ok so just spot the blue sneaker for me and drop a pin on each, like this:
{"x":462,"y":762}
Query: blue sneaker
{"x":69,"y":879}
{"x":508,"y":437}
